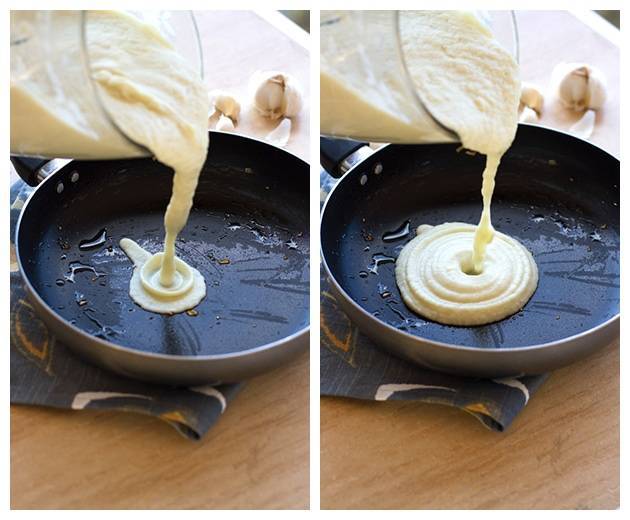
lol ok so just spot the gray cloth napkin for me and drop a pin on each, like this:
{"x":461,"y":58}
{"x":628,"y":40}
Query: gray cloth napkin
{"x":352,"y":366}
{"x":45,"y":372}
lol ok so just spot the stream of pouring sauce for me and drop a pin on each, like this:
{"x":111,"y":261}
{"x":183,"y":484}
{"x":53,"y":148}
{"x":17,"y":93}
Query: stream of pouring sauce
{"x":159,"y":102}
{"x":457,"y":273}
{"x":155,"y":98}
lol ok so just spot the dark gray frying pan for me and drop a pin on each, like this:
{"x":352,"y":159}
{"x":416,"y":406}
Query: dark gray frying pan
{"x":555,"y":193}
{"x":247,"y":234}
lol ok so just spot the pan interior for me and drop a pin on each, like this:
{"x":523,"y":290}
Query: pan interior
{"x":247,"y":235}
{"x":563,"y":206}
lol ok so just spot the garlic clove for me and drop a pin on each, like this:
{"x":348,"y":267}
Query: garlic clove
{"x":528,"y":115}
{"x":280,"y":135}
{"x":531,"y":97}
{"x":579,"y":86}
{"x":275,"y":94}
{"x":224,"y":124}
{"x":225,"y":103}
{"x":584,"y":127}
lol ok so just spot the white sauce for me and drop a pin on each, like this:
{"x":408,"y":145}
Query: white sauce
{"x":471,"y":85}
{"x":187,"y":291}
{"x":366,"y":97}
{"x":157,"y":101}
{"x":456,"y":273}
{"x":431,"y":272}
{"x":54,"y":113}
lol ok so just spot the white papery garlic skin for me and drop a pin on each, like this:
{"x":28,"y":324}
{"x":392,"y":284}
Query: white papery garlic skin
{"x":281,"y":134}
{"x":579,"y":86}
{"x":226,"y":104}
{"x":224,"y":124}
{"x":528,"y":115}
{"x":275,"y":94}
{"x":531,"y":97}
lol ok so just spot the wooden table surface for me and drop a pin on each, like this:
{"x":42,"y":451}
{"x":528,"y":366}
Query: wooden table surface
{"x":257,"y":456}
{"x":561,"y":452}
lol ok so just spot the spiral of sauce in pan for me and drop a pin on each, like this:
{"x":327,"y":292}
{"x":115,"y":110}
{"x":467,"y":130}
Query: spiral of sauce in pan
{"x":435,"y":274}
{"x":185,"y":292}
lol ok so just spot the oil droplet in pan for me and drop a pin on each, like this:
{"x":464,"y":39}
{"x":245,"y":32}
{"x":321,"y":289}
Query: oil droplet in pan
{"x":384,"y":291}
{"x":379,"y":259}
{"x":401,"y":232}
{"x":96,"y":241}
{"x":78,"y":267}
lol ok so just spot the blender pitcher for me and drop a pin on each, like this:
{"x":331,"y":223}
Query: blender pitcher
{"x":366,"y":91}
{"x":55,"y":107}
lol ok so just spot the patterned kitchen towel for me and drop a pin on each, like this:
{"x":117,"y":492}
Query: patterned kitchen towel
{"x":45,"y":372}
{"x":352,"y":366}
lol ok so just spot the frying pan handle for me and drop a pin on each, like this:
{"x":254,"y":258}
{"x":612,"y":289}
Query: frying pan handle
{"x":34,"y":170}
{"x":28,"y":168}
{"x":334,"y":152}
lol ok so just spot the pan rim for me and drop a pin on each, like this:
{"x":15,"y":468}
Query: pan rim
{"x":451,"y":346}
{"x":128,"y":350}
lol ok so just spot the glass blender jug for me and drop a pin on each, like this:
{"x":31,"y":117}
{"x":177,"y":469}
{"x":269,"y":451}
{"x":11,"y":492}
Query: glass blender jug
{"x":366,"y":91}
{"x":55,"y":107}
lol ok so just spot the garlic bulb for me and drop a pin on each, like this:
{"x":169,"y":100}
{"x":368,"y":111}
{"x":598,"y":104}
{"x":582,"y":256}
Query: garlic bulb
{"x":275,"y":94}
{"x":579,"y":86}
{"x":224,"y":124}
{"x":531,"y":98}
{"x":226,"y":104}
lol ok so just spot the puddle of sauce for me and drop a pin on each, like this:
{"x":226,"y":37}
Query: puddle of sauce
{"x":186,"y":291}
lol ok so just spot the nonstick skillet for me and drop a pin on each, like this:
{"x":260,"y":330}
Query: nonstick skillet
{"x":557,"y":194}
{"x":247,"y":234}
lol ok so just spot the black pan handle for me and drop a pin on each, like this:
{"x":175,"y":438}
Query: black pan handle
{"x":28,"y":168}
{"x":333,"y":153}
